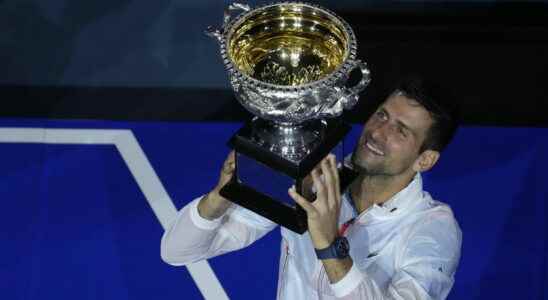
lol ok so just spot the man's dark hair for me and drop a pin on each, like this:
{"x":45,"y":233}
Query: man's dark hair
{"x":441,"y":105}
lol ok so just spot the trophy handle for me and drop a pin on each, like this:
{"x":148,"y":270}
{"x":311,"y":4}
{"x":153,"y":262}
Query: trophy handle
{"x":214,"y":33}
{"x":217,"y":33}
{"x":233,"y":7}
{"x":351,"y":94}
{"x":346,"y":97}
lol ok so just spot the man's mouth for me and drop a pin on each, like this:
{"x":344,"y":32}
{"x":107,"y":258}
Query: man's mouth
{"x":374,"y":148}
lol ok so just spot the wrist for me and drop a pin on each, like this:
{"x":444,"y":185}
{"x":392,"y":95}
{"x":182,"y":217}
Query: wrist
{"x":213,"y":205}
{"x":337,"y":269}
{"x":323,"y":243}
{"x":339,"y":249}
{"x":322,"y":239}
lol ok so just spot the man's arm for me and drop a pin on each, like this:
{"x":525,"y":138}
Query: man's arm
{"x":191,"y":238}
{"x":210,"y":226}
{"x":426,"y":265}
{"x":323,"y":214}
{"x":425,"y":269}
{"x":336,"y":268}
{"x":213,"y":205}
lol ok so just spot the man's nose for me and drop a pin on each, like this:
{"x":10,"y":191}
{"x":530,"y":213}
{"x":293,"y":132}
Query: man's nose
{"x":379,"y":132}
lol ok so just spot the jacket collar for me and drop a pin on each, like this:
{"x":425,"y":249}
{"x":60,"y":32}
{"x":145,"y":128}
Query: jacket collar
{"x":402,"y":202}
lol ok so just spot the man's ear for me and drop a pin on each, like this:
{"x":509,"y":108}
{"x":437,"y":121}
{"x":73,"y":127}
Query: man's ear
{"x":426,"y":160}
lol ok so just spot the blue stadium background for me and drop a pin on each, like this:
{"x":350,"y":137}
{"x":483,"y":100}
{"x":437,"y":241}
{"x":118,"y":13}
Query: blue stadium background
{"x":76,"y":225}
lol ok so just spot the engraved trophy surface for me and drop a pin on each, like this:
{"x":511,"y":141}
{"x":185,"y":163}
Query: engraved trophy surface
{"x":288,"y":64}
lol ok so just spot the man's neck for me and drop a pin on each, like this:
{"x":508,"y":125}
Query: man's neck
{"x":368,"y":190}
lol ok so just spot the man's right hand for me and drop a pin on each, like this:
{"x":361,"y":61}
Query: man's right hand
{"x":213,"y":205}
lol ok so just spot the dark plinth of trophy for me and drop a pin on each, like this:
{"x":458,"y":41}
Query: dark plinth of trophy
{"x":262,"y":176}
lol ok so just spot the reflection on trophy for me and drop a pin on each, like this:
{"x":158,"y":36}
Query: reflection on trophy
{"x":288,"y":64}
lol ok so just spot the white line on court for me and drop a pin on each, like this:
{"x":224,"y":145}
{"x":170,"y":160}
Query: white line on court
{"x":140,"y":168}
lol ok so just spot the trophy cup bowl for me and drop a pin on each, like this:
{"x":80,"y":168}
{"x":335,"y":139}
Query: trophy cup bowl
{"x":288,"y":64}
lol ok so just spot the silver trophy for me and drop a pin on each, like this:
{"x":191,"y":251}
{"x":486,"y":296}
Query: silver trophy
{"x":288,"y":64}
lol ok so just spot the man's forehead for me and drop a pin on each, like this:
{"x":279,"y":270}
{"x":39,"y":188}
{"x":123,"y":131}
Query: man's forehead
{"x":407,"y":110}
{"x":398,"y":97}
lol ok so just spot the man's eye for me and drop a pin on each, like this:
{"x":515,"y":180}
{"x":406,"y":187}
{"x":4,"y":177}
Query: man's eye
{"x":402,"y":132}
{"x":381,"y":115}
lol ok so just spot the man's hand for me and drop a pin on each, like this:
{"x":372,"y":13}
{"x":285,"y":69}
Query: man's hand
{"x":323,"y":213}
{"x":213,"y":205}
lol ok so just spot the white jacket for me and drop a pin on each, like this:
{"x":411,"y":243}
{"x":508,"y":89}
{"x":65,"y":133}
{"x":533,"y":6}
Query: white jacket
{"x":408,"y":248}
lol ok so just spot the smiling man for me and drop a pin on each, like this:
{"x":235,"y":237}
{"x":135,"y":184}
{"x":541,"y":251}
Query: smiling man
{"x":384,"y":238}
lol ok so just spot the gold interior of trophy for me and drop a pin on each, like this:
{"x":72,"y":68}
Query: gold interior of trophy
{"x":288,"y":44}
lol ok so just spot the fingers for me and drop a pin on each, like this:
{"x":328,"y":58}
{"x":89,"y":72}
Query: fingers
{"x":318,"y":183}
{"x":230,"y":163}
{"x":329,"y":169}
{"x":231,"y":156}
{"x":335,"y":174}
{"x":308,"y":191}
{"x":336,"y":181}
{"x":328,"y":185}
{"x":327,"y":188}
{"x":307,"y":206}
{"x":227,"y":171}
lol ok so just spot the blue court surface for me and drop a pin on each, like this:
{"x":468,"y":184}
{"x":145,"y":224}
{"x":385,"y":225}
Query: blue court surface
{"x":83,"y":204}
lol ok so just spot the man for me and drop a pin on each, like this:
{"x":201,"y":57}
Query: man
{"x":384,"y":238}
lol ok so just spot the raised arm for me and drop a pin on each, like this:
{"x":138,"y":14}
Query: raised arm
{"x":211,"y":225}
{"x":425,"y":266}
{"x":425,"y":269}
{"x":213,"y":205}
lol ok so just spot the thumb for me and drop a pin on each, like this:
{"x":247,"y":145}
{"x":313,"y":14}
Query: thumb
{"x":301,"y":200}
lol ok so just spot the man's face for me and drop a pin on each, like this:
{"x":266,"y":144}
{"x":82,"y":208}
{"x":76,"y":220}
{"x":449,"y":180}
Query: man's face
{"x":392,"y":137}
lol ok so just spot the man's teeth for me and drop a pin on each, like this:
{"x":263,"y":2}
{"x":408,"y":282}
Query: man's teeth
{"x":374,"y":149}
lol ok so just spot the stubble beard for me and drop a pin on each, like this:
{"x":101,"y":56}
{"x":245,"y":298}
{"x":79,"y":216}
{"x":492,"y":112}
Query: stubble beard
{"x":361,"y":166}
{"x":379,"y":169}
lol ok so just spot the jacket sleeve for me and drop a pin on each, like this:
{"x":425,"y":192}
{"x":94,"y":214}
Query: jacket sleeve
{"x":425,"y":267}
{"x":191,"y":238}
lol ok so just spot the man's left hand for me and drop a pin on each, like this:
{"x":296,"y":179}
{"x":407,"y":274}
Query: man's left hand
{"x":323,"y":213}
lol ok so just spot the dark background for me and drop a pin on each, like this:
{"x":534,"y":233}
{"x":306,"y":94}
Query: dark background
{"x":141,"y":60}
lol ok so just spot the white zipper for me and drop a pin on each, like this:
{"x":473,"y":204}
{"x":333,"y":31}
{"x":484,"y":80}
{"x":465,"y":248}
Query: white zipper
{"x":282,"y":275}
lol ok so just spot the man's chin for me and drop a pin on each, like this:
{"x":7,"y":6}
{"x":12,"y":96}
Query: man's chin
{"x":361,"y":165}
{"x":356,"y":161}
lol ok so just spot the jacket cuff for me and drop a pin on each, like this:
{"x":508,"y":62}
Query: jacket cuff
{"x":199,"y":221}
{"x":348,"y":283}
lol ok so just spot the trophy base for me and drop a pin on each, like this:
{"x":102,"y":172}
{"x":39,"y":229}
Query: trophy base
{"x":263,"y":175}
